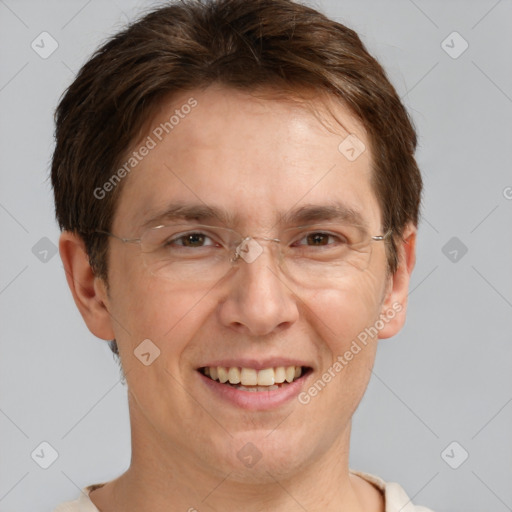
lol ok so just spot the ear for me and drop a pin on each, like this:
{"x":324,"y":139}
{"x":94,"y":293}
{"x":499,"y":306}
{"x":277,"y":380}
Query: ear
{"x":89,"y":291}
{"x":394,"y":307}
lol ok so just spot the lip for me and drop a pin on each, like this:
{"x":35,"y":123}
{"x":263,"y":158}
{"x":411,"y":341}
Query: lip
{"x":256,"y":400}
{"x":257,"y":364}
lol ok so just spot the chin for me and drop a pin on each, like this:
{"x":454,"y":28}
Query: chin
{"x":261,"y":457}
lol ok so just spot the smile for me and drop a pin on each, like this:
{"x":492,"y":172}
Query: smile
{"x":250,"y":379}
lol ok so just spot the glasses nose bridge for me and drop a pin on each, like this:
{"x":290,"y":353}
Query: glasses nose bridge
{"x":250,"y":248}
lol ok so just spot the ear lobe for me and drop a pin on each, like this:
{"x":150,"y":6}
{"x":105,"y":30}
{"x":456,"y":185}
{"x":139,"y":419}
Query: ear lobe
{"x":89,"y":292}
{"x":394,"y":308}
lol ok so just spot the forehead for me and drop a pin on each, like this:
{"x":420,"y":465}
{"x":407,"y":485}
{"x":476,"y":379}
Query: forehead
{"x":254,"y":156}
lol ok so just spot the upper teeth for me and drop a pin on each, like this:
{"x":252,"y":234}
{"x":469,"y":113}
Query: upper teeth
{"x":252,"y":377}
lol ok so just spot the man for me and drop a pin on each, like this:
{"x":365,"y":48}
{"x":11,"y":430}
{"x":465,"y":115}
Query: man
{"x":238,"y":195}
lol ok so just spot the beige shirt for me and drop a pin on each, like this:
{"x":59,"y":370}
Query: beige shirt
{"x":395,"y":497}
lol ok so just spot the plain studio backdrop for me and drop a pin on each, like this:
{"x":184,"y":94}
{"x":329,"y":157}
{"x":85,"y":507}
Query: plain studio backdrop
{"x":437,"y":415}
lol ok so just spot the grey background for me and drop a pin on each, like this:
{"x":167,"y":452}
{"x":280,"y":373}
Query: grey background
{"x":446,"y":377}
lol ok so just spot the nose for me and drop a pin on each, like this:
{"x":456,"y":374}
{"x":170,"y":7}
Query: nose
{"x":259,"y":300}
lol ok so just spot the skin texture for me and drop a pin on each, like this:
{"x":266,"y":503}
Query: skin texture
{"x":255,"y":157}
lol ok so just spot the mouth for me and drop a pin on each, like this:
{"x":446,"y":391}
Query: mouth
{"x":251,"y":379}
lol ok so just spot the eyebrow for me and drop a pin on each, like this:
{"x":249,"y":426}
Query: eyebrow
{"x":335,"y":211}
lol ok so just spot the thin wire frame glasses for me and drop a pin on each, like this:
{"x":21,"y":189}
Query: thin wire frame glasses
{"x":315,"y":255}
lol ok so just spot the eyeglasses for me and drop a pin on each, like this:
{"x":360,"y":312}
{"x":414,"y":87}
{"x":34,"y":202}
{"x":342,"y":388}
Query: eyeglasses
{"x":196,"y":254}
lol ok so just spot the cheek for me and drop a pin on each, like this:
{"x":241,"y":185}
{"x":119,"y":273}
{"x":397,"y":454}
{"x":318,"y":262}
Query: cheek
{"x":149,"y":308}
{"x":342,"y":316}
{"x":344,"y":312}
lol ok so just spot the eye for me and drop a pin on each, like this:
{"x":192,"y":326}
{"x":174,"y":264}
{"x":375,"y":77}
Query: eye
{"x":322,"y":238}
{"x":195,"y":239}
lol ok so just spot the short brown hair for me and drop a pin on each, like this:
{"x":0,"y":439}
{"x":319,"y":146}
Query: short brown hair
{"x":277,"y":44}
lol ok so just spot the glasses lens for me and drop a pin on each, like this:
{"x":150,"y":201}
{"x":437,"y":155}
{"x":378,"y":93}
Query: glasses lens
{"x":312,"y":256}
{"x":324,"y":255}
{"x":186,"y":253}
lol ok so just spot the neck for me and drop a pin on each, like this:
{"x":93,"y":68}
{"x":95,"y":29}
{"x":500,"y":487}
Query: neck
{"x":164,"y":475}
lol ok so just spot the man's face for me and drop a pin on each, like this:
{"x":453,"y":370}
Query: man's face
{"x":258,"y":159}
